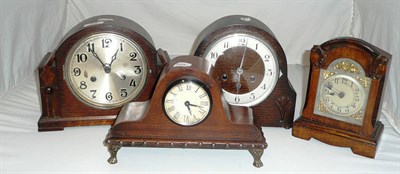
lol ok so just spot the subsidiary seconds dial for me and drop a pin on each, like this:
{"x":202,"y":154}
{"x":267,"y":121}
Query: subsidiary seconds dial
{"x":106,"y":70}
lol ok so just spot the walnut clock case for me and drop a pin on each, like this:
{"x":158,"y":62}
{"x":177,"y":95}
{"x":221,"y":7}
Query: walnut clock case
{"x":344,"y":94}
{"x":187,"y":110}
{"x":101,"y":64}
{"x":251,"y":67}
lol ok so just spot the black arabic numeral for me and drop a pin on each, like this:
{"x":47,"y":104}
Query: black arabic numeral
{"x":124,"y":93}
{"x":133,"y":56}
{"x":137,"y":70}
{"x":109,"y":96}
{"x":105,"y":42}
{"x":77,"y":72}
{"x":93,"y":93}
{"x":83,"y":85}
{"x":81,"y":57}
{"x":133,"y":83}
{"x":90,"y":47}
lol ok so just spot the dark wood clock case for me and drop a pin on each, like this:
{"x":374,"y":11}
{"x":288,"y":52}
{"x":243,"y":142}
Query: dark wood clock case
{"x":364,"y":139}
{"x":278,"y":109}
{"x":60,"y":108}
{"x":144,"y":124}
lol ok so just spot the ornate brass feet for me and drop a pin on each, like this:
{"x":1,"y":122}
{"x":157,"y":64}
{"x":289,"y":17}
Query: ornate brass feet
{"x":257,"y":153}
{"x":113,"y":154}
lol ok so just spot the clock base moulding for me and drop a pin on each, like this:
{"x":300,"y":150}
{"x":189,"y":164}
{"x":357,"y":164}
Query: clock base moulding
{"x":359,"y":144}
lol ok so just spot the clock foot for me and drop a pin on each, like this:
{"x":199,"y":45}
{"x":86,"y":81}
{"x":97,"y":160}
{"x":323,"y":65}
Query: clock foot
{"x":113,"y":154}
{"x":257,"y":153}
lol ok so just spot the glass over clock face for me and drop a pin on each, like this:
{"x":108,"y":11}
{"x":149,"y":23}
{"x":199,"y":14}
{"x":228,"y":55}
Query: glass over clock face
{"x":342,"y":91}
{"x":246,"y":66}
{"x":187,"y":102}
{"x":106,"y":70}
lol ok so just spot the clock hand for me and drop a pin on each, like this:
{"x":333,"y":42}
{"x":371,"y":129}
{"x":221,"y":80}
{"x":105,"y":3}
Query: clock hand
{"x":187,"y":104}
{"x":107,"y":66}
{"x":97,"y":57}
{"x":239,"y":70}
{"x":337,"y":92}
{"x":114,"y":57}
{"x":195,"y":105}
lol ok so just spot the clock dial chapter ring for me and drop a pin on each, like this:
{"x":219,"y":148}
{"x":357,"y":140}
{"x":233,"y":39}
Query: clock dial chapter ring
{"x":342,"y":95}
{"x":246,"y":66}
{"x":187,"y":102}
{"x":101,"y":71}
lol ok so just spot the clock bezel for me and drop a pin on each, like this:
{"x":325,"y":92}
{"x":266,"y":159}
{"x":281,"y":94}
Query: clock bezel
{"x":185,"y":79}
{"x":99,"y":105}
{"x":277,"y":71}
{"x":60,"y":108}
{"x":277,"y":110}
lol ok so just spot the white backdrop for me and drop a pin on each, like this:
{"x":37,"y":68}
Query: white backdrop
{"x":29,"y":29}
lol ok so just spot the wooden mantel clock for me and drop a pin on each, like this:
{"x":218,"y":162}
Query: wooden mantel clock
{"x":187,"y":110}
{"x":344,"y":94}
{"x":251,"y":67}
{"x":102,"y":64}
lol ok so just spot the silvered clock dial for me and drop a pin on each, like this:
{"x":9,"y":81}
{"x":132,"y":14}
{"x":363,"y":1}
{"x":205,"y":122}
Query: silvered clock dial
{"x":106,"y":70}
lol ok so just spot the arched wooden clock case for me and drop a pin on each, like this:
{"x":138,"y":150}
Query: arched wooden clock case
{"x":60,"y":108}
{"x":349,"y":57}
{"x":146,"y":124}
{"x":277,"y":108}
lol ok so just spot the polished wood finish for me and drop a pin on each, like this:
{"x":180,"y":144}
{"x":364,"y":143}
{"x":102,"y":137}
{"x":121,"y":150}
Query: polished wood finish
{"x":59,"y":106}
{"x":278,"y":109}
{"x":144,"y":124}
{"x":364,"y":139}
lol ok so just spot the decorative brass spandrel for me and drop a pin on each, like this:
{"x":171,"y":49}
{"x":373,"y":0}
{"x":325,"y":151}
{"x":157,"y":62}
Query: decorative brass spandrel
{"x":364,"y":81}
{"x":327,"y":74}
{"x":347,"y":67}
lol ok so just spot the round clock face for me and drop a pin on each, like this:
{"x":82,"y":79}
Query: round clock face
{"x":187,"y":102}
{"x":106,"y":70}
{"x":342,"y":95}
{"x":246,"y":66}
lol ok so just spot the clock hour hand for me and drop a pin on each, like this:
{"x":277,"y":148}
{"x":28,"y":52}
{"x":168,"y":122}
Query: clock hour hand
{"x":187,"y":104}
{"x":335,"y":91}
{"x":107,"y":66}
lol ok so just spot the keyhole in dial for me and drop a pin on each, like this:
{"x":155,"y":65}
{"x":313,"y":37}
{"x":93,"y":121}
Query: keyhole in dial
{"x":93,"y":78}
{"x":224,"y":77}
{"x":252,"y":79}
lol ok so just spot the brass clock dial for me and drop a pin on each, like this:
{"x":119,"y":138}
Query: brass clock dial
{"x":106,"y":70}
{"x":187,"y":102}
{"x":247,"y":68}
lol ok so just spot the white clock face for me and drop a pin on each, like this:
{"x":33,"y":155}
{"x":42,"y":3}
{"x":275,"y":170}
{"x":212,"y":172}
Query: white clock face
{"x":343,"y":91}
{"x":246,"y":66}
{"x":106,"y":70}
{"x":187,"y":102}
{"x":342,"y":95}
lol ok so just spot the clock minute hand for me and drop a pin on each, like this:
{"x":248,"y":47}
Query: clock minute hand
{"x":97,"y":57}
{"x":239,"y":70}
{"x":195,"y":105}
